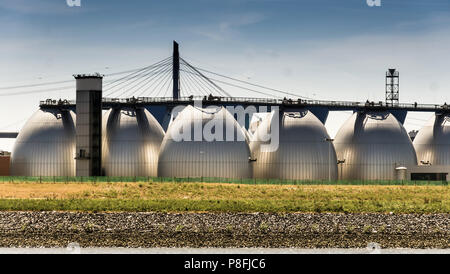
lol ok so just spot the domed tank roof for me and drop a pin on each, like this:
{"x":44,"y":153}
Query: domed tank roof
{"x":304,"y":152}
{"x":131,"y":141}
{"x":373,"y":144}
{"x":45,"y":145}
{"x":432,"y":142}
{"x":187,"y":152}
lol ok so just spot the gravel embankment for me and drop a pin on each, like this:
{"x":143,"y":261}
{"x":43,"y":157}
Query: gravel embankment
{"x":57,"y":229}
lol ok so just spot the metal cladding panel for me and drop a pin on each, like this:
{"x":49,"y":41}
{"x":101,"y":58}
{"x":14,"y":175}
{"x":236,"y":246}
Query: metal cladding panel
{"x":46,"y":145}
{"x":303,"y":152}
{"x":373,"y":144}
{"x":204,"y":157}
{"x":432,"y":142}
{"x":131,"y":142}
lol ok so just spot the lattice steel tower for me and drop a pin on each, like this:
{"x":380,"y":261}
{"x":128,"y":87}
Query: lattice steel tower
{"x":392,"y":87}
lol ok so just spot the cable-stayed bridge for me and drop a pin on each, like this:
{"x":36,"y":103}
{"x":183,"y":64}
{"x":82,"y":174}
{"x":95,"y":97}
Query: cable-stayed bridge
{"x":174,"y":81}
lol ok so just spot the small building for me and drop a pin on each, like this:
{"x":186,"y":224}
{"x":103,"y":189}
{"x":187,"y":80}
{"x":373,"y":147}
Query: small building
{"x":5,"y":159}
{"x":428,"y":173}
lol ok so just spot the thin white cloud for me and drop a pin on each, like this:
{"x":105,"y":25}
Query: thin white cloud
{"x":227,"y":28}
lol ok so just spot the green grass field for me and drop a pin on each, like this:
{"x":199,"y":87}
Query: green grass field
{"x":222,"y":197}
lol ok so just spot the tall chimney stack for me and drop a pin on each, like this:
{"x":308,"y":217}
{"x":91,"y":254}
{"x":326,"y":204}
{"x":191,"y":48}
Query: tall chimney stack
{"x":89,"y":124}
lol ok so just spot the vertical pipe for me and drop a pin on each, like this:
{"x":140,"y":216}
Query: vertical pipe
{"x":329,"y":140}
{"x":329,"y":161}
{"x":176,"y":71}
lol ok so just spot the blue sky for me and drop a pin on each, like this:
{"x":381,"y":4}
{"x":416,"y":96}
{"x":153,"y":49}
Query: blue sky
{"x":326,"y":49}
{"x":226,"y":22}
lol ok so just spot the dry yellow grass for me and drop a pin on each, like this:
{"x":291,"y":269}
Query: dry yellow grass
{"x":51,"y":190}
{"x":208,"y":191}
{"x":223,"y":197}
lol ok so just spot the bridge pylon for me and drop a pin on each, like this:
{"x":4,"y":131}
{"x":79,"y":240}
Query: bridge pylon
{"x":176,"y":71}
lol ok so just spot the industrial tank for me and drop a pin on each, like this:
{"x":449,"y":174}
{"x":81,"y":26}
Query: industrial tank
{"x":45,"y":145}
{"x":371,"y":145}
{"x":304,"y":151}
{"x":187,"y":152}
{"x":432,"y":142}
{"x":131,"y":141}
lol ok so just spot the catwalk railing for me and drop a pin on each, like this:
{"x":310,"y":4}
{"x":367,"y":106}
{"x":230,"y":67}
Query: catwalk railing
{"x":342,"y":105}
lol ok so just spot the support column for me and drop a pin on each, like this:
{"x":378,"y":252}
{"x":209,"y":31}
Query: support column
{"x":89,"y":125}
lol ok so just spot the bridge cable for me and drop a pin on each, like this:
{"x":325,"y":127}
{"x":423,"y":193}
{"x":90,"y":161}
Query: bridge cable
{"x":202,"y":82}
{"x":136,"y":78}
{"x":146,"y":79}
{"x":252,"y":84}
{"x":204,"y":77}
{"x":158,"y":77}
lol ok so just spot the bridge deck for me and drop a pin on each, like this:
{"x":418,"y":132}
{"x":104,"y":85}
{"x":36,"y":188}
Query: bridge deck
{"x":8,"y":135}
{"x":287,"y":103}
